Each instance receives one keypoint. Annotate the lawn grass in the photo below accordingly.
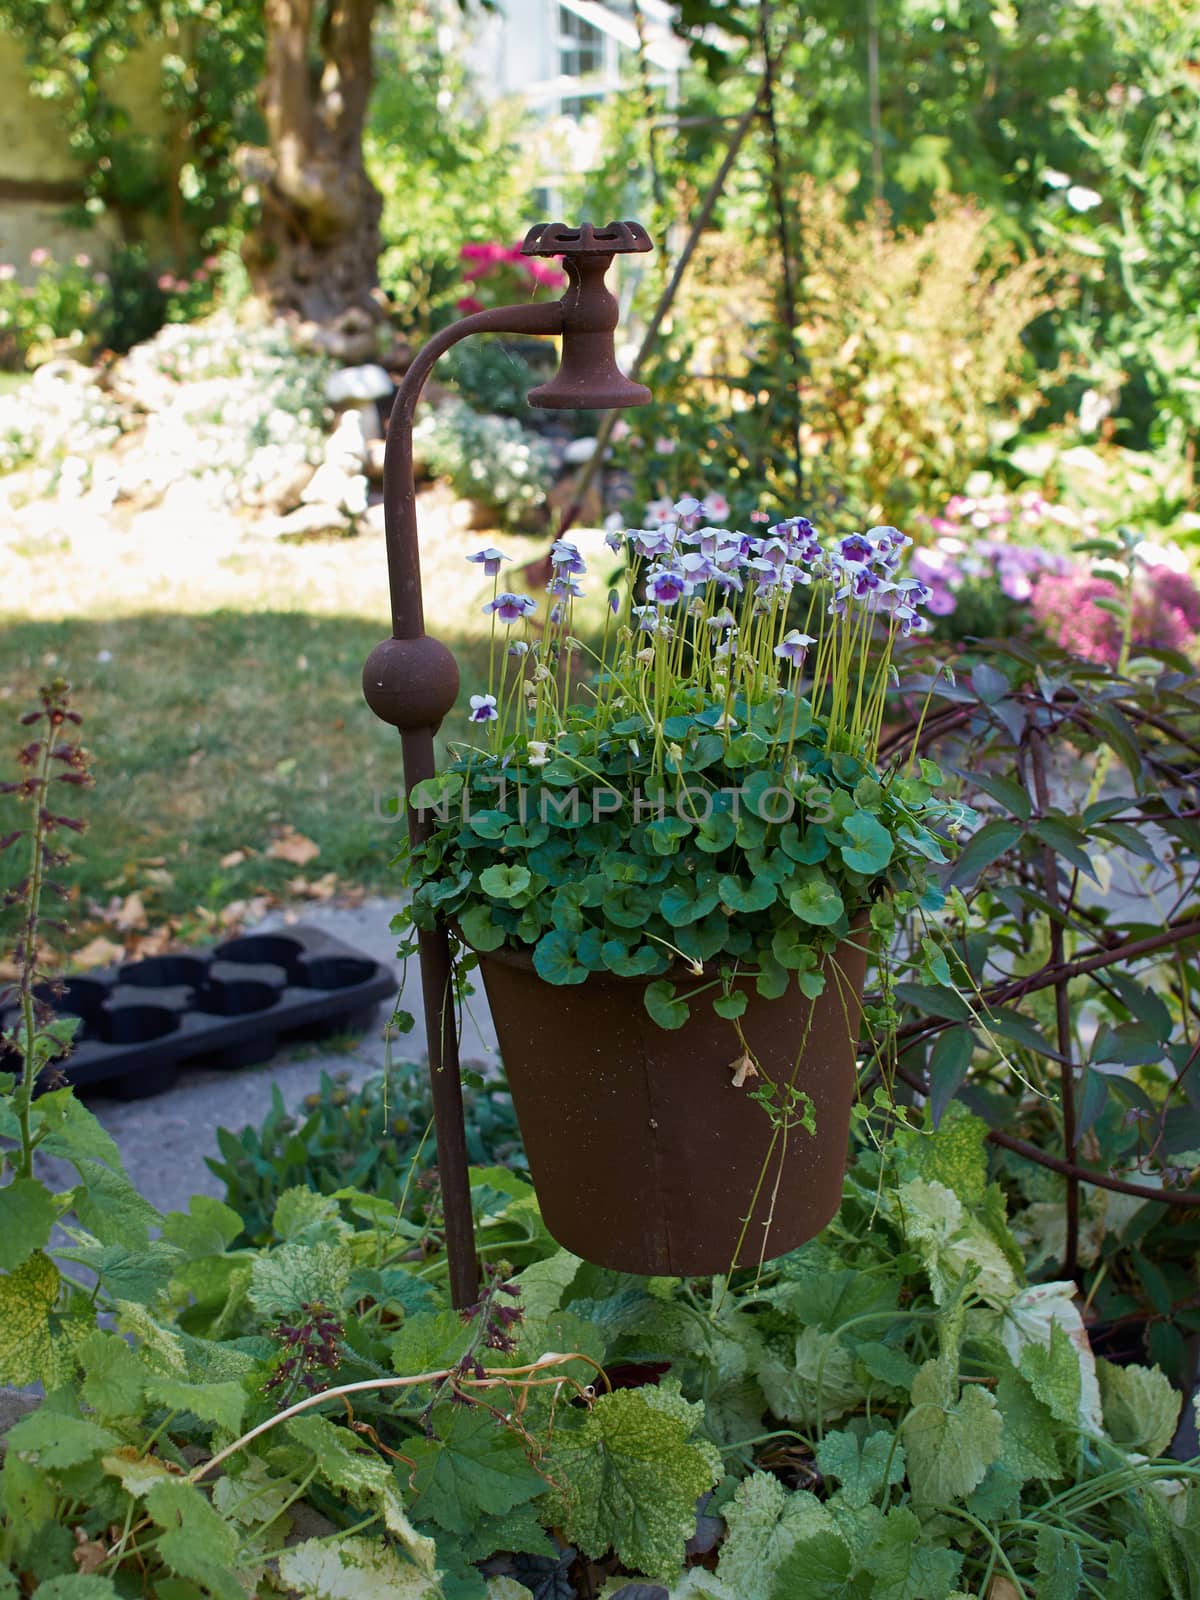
(219, 677)
(210, 736)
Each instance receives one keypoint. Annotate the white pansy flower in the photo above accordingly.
(1080, 198)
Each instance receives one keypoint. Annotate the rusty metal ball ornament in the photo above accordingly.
(410, 683)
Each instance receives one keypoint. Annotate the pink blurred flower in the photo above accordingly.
(468, 305)
(39, 257)
(82, 260)
(166, 282)
(545, 273)
(1175, 591)
(490, 253)
(1065, 609)
(7, 271)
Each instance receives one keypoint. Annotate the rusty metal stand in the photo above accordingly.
(411, 680)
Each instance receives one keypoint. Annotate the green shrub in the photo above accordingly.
(494, 376)
(913, 365)
(65, 308)
(448, 166)
(377, 1138)
(490, 459)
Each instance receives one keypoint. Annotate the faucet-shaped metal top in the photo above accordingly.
(588, 378)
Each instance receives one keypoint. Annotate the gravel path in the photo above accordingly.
(165, 1138)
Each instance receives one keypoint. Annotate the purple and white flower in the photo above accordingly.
(854, 548)
(483, 708)
(650, 542)
(696, 567)
(510, 608)
(793, 647)
(565, 557)
(490, 560)
(665, 586)
(564, 586)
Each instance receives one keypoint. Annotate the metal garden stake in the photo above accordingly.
(411, 679)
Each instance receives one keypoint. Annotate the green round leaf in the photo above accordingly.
(739, 895)
(555, 959)
(817, 901)
(870, 847)
(478, 929)
(504, 883)
(662, 1005)
(629, 962)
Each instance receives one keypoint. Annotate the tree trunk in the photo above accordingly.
(314, 251)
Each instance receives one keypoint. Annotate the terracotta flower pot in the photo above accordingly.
(644, 1154)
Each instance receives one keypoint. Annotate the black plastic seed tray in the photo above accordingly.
(228, 1007)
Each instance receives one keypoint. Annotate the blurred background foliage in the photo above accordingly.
(955, 230)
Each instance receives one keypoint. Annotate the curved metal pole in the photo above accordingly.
(411, 681)
(399, 488)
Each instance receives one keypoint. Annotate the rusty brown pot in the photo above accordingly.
(644, 1155)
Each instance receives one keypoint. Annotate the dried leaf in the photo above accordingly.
(155, 943)
(100, 952)
(132, 913)
(233, 859)
(294, 847)
(742, 1069)
(322, 888)
(88, 1554)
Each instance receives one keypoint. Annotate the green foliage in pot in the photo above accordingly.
(690, 806)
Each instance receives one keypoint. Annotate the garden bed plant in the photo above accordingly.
(1073, 926)
(891, 1411)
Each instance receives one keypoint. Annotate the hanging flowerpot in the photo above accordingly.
(670, 858)
(647, 1147)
